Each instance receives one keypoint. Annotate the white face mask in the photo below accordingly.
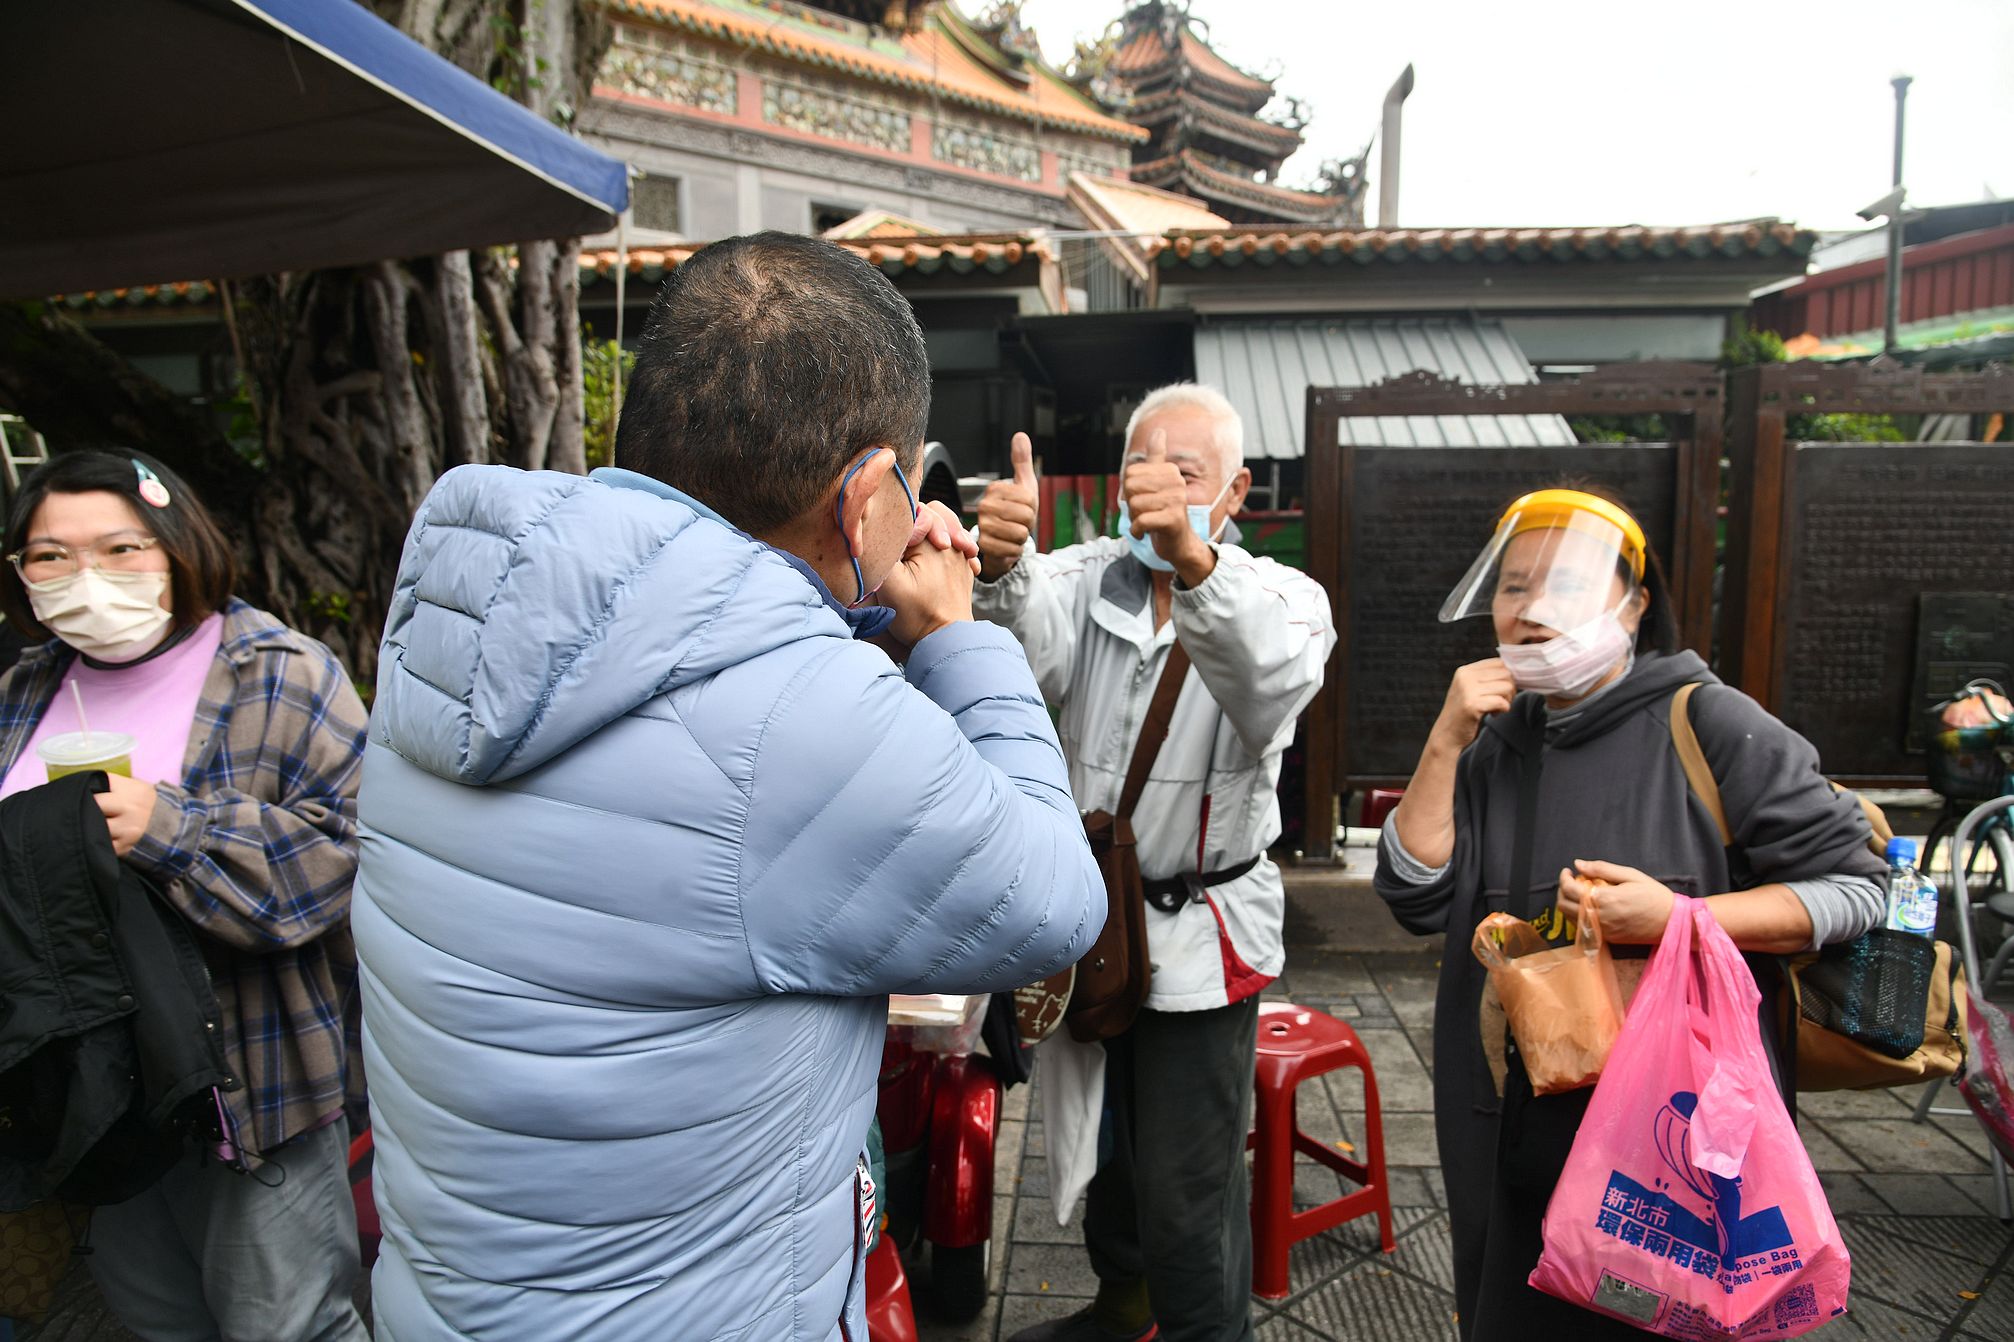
(1573, 663)
(113, 617)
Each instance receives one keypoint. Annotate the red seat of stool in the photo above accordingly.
(1380, 802)
(1289, 1031)
(1297, 1044)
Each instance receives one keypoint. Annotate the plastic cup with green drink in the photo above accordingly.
(81, 752)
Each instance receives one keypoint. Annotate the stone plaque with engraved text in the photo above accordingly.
(1418, 516)
(1874, 529)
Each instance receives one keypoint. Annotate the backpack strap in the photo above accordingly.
(1692, 759)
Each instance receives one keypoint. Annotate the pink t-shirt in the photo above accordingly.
(154, 702)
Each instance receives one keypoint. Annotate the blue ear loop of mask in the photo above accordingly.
(839, 516)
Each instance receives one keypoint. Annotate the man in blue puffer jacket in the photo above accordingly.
(650, 828)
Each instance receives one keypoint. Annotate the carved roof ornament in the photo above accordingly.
(1294, 116)
(1217, 132)
(1003, 25)
(1347, 179)
(903, 16)
(1090, 71)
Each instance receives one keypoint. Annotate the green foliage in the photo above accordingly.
(597, 375)
(1753, 346)
(1620, 428)
(518, 73)
(331, 606)
(241, 424)
(1843, 429)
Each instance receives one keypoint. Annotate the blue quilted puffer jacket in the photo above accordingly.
(648, 836)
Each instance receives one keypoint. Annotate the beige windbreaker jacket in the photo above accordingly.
(1258, 634)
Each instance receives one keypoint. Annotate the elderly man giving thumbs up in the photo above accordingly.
(1166, 1223)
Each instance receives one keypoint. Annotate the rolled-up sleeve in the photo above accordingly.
(1841, 906)
(1405, 867)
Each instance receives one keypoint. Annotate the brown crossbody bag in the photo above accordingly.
(1105, 990)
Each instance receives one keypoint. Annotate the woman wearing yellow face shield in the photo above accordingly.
(1549, 779)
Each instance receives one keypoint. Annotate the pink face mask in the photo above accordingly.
(1571, 664)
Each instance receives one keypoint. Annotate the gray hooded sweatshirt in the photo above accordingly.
(1611, 789)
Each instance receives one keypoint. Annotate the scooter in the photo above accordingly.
(940, 1112)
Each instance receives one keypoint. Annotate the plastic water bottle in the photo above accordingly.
(1912, 899)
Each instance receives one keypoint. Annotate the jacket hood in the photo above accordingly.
(534, 608)
(1655, 676)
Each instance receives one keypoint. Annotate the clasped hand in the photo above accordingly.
(931, 586)
(1631, 907)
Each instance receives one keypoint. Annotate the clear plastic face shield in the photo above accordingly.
(1559, 559)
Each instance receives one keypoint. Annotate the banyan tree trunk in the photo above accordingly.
(364, 384)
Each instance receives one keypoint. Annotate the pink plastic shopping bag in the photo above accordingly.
(1988, 1087)
(1688, 1206)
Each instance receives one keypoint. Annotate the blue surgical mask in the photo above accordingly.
(1199, 522)
(839, 516)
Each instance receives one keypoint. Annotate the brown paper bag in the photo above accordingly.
(1563, 1004)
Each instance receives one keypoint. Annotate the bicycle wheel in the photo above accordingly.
(1988, 867)
(1993, 891)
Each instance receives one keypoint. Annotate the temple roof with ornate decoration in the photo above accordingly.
(1208, 133)
(933, 49)
(921, 107)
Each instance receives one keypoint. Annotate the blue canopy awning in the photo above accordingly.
(159, 140)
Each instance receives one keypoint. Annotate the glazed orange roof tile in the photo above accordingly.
(1751, 237)
(927, 61)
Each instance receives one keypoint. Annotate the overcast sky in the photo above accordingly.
(1576, 112)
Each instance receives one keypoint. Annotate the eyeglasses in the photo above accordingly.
(46, 561)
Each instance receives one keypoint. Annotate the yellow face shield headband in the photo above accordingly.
(1559, 575)
(1572, 510)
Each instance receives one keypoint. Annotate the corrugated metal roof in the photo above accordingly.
(1266, 368)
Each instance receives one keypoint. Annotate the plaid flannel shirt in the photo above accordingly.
(256, 846)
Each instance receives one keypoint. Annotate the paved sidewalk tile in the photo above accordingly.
(1914, 1201)
(1374, 1302)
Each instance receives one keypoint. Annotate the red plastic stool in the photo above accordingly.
(1296, 1044)
(1380, 802)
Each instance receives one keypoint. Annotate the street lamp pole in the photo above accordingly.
(1894, 315)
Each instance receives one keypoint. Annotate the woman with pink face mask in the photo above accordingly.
(240, 810)
(1551, 780)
